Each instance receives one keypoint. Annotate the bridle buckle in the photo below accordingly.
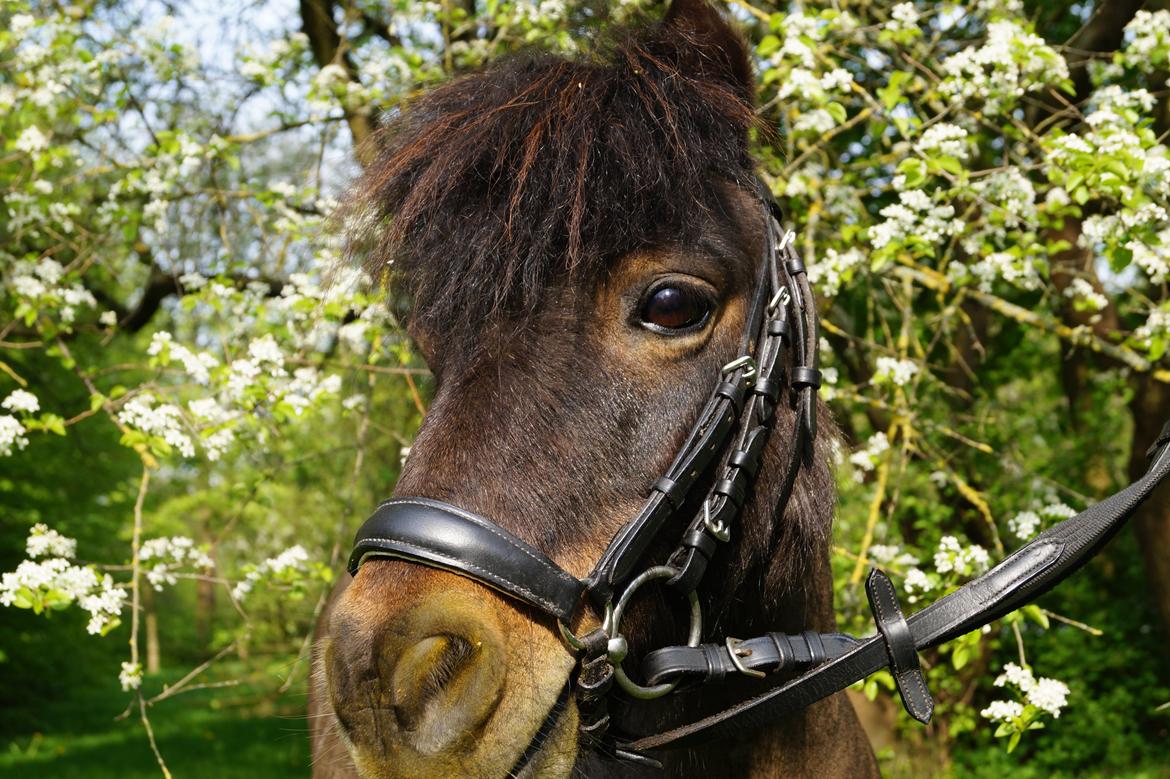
(746, 361)
(737, 654)
(782, 297)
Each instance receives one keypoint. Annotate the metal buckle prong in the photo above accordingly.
(782, 296)
(717, 527)
(746, 361)
(733, 649)
(789, 236)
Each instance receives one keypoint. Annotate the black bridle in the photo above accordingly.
(730, 435)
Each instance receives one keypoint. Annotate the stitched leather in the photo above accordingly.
(903, 656)
(441, 535)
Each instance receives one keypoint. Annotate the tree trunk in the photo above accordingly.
(150, 623)
(1151, 408)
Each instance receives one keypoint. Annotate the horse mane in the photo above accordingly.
(541, 169)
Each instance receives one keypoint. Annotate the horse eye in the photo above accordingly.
(671, 308)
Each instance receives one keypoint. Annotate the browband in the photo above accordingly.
(443, 536)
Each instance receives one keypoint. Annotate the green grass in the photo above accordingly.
(223, 734)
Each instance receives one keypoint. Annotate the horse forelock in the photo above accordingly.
(542, 170)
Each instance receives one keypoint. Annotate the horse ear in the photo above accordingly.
(719, 43)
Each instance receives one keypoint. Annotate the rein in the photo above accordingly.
(730, 436)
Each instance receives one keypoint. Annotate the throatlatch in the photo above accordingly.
(777, 363)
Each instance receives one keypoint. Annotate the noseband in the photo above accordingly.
(730, 437)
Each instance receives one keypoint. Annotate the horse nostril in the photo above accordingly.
(443, 687)
(424, 671)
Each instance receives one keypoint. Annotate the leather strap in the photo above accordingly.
(1023, 576)
(768, 654)
(443, 536)
(900, 649)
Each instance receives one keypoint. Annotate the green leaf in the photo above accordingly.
(1014, 741)
(837, 111)
(914, 171)
(960, 656)
(768, 44)
(950, 165)
(891, 94)
(1036, 614)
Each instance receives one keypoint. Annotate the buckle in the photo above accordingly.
(733, 649)
(782, 296)
(715, 526)
(746, 361)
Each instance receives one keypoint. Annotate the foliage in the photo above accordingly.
(194, 393)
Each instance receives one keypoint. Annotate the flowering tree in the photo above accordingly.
(981, 189)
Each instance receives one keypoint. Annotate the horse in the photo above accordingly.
(578, 239)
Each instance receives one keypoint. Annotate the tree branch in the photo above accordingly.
(319, 25)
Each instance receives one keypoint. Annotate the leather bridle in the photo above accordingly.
(777, 363)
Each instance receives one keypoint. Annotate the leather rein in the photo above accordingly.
(729, 439)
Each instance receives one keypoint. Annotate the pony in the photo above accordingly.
(577, 239)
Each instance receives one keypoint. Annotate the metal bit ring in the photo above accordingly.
(628, 685)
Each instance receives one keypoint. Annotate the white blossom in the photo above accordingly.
(266, 350)
(19, 24)
(11, 435)
(816, 121)
(903, 16)
(32, 140)
(895, 371)
(1024, 524)
(291, 559)
(1057, 510)
(837, 79)
(1017, 676)
(130, 677)
(1050, 695)
(916, 579)
(952, 556)
(915, 215)
(1005, 266)
(1010, 63)
(46, 542)
(161, 557)
(943, 138)
(1157, 325)
(1085, 295)
(21, 401)
(104, 604)
(866, 458)
(1002, 711)
(164, 421)
(832, 268)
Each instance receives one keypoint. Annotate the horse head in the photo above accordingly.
(579, 240)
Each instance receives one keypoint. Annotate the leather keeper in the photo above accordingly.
(780, 327)
(900, 648)
(733, 489)
(769, 388)
(803, 376)
(732, 391)
(795, 265)
(699, 540)
(745, 462)
(674, 492)
(816, 647)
